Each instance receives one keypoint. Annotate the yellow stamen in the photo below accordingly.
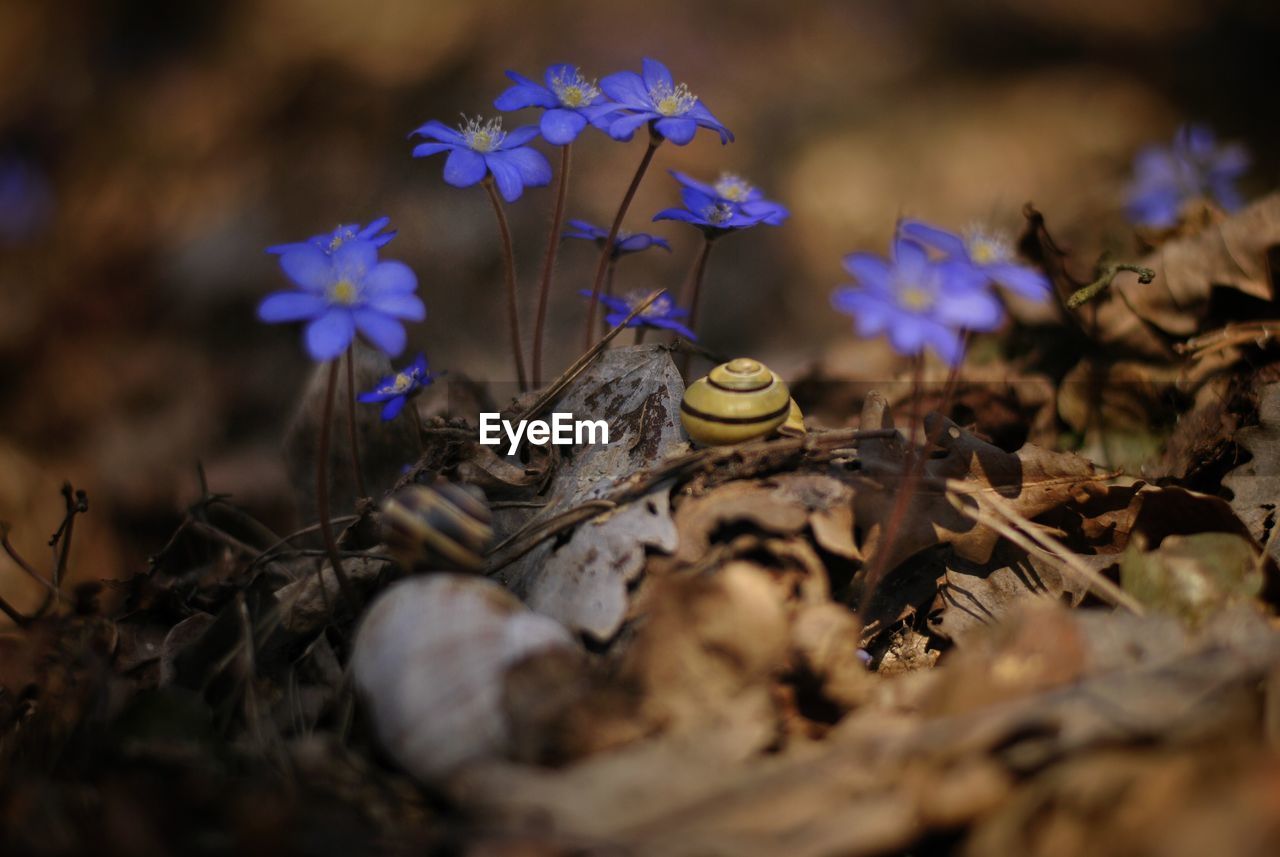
(733, 187)
(344, 292)
(915, 298)
(672, 102)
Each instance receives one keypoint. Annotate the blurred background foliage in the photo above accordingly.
(160, 146)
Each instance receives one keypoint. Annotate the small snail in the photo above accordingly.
(739, 400)
(439, 527)
(431, 660)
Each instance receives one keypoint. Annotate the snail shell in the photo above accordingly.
(739, 400)
(430, 659)
(794, 424)
(442, 526)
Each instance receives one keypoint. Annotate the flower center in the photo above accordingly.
(672, 102)
(340, 237)
(660, 308)
(986, 248)
(717, 214)
(344, 292)
(914, 298)
(576, 91)
(482, 136)
(733, 187)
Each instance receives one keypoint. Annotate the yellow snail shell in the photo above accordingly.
(440, 527)
(739, 400)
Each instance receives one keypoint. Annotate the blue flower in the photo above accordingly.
(26, 199)
(987, 252)
(330, 241)
(477, 149)
(737, 190)
(569, 99)
(399, 388)
(917, 301)
(661, 314)
(711, 213)
(654, 97)
(1195, 166)
(624, 243)
(344, 292)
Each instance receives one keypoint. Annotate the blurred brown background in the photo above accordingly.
(174, 141)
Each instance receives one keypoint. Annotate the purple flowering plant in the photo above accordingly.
(344, 292)
(917, 301)
(662, 314)
(654, 98)
(569, 102)
(625, 244)
(331, 241)
(394, 391)
(1194, 166)
(987, 252)
(479, 148)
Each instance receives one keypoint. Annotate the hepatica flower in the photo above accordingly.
(989, 253)
(917, 301)
(662, 314)
(477, 149)
(1195, 166)
(344, 292)
(626, 242)
(713, 214)
(733, 188)
(26, 199)
(331, 241)
(569, 100)
(654, 97)
(396, 390)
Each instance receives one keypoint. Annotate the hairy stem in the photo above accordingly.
(607, 250)
(356, 469)
(1105, 277)
(689, 294)
(549, 262)
(322, 492)
(509, 256)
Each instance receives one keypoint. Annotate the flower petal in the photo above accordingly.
(945, 342)
(677, 129)
(464, 168)
(628, 89)
(974, 309)
(681, 214)
(309, 267)
(506, 174)
(517, 137)
(535, 170)
(426, 150)
(354, 260)
(390, 278)
(1021, 279)
(330, 334)
(625, 127)
(655, 74)
(291, 306)
(386, 333)
(911, 259)
(561, 127)
(931, 236)
(871, 270)
(393, 408)
(524, 94)
(437, 130)
(406, 307)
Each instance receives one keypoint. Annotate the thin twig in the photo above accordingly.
(578, 366)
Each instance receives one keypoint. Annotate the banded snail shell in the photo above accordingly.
(737, 401)
(440, 527)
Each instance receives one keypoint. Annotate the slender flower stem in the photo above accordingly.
(914, 461)
(608, 274)
(606, 251)
(640, 332)
(549, 262)
(689, 293)
(356, 469)
(953, 381)
(322, 493)
(692, 287)
(513, 313)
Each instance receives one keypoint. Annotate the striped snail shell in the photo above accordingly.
(739, 400)
(440, 527)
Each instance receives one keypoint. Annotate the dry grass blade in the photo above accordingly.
(1026, 535)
